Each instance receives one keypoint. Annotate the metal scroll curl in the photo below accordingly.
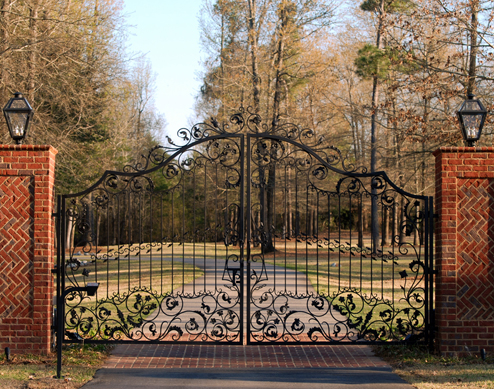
(376, 185)
(245, 120)
(143, 314)
(371, 318)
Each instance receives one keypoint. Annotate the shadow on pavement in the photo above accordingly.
(362, 378)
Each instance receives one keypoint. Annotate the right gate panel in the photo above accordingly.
(334, 255)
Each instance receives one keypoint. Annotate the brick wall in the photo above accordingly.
(26, 247)
(465, 249)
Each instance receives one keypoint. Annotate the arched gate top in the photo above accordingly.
(245, 122)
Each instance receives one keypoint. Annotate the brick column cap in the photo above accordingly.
(29, 148)
(462, 150)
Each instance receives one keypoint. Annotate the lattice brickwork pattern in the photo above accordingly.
(16, 246)
(475, 249)
(26, 247)
(465, 249)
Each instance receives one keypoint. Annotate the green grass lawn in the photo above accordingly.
(428, 371)
(130, 291)
(372, 291)
(80, 362)
(366, 288)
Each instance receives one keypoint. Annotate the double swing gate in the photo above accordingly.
(244, 233)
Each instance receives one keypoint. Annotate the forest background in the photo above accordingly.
(380, 79)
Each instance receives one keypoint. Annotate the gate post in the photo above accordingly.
(27, 175)
(465, 250)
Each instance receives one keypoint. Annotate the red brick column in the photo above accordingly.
(27, 175)
(465, 249)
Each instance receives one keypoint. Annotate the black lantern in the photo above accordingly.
(472, 116)
(18, 114)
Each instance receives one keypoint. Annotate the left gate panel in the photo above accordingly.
(163, 245)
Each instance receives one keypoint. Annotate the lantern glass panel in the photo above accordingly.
(19, 104)
(18, 121)
(472, 125)
(472, 105)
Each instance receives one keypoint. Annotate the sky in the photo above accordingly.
(167, 31)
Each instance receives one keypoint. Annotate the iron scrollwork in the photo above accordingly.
(346, 311)
(305, 196)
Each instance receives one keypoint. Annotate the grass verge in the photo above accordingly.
(37, 372)
(426, 371)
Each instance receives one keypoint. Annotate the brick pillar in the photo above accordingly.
(27, 175)
(465, 249)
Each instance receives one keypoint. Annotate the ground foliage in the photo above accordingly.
(38, 372)
(425, 370)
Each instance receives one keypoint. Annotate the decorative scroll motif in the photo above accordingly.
(120, 227)
(141, 314)
(167, 241)
(348, 315)
(247, 122)
(345, 311)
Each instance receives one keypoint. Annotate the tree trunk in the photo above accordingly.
(33, 57)
(472, 66)
(5, 16)
(253, 39)
(270, 191)
(375, 103)
(385, 227)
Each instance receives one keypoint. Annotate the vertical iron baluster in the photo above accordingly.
(350, 197)
(361, 236)
(129, 238)
(316, 239)
(226, 216)
(297, 229)
(118, 241)
(307, 234)
(161, 243)
(287, 222)
(272, 232)
(140, 240)
(183, 232)
(242, 239)
(427, 265)
(216, 224)
(329, 243)
(172, 237)
(194, 194)
(383, 230)
(430, 323)
(107, 251)
(338, 245)
(61, 283)
(96, 274)
(372, 254)
(393, 237)
(150, 241)
(248, 298)
(205, 222)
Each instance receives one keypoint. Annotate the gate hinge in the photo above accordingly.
(436, 215)
(433, 271)
(54, 270)
(54, 214)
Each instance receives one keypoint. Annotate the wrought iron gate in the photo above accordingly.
(245, 233)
